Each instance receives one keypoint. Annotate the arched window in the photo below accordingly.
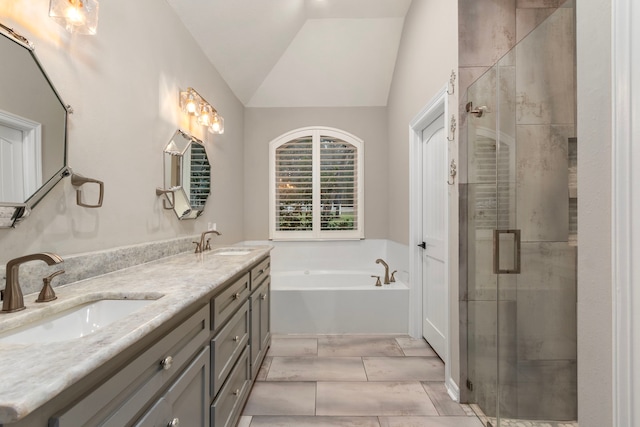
(316, 178)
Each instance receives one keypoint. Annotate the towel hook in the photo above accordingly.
(452, 83)
(453, 171)
(452, 128)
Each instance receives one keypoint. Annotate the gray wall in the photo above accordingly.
(265, 124)
(427, 55)
(595, 374)
(123, 84)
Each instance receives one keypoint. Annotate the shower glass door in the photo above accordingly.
(521, 231)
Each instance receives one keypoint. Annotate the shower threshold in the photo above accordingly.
(508, 422)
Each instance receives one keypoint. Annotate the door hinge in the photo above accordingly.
(469, 385)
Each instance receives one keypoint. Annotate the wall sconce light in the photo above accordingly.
(76, 16)
(193, 104)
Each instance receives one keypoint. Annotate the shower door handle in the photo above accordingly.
(496, 252)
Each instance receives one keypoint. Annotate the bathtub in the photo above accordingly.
(336, 302)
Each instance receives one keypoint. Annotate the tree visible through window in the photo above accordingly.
(316, 179)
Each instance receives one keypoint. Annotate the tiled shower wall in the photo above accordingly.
(535, 99)
(491, 28)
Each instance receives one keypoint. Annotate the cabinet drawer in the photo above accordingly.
(260, 272)
(186, 402)
(227, 406)
(227, 302)
(119, 400)
(227, 345)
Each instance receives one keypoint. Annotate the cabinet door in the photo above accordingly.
(265, 315)
(260, 324)
(186, 402)
(255, 332)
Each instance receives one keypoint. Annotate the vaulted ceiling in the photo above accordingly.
(300, 53)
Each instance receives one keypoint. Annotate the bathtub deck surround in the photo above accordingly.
(327, 288)
(355, 381)
(342, 302)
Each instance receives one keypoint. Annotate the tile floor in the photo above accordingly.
(352, 381)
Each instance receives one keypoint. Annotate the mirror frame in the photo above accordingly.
(22, 210)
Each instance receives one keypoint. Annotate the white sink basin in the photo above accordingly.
(231, 251)
(75, 322)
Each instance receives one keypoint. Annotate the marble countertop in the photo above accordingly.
(32, 374)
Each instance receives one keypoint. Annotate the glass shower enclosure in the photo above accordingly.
(521, 231)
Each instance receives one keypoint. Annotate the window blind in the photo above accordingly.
(294, 185)
(338, 185)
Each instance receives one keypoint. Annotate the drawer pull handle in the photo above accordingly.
(166, 364)
(237, 392)
(236, 338)
(174, 423)
(236, 296)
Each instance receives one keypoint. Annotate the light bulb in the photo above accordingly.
(74, 14)
(191, 106)
(217, 124)
(189, 102)
(205, 114)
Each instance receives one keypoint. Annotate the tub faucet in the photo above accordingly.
(386, 270)
(204, 245)
(13, 299)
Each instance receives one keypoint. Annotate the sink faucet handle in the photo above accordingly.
(377, 280)
(393, 276)
(207, 247)
(198, 248)
(47, 294)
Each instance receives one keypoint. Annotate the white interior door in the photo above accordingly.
(434, 232)
(11, 165)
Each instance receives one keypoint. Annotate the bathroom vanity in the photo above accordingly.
(188, 358)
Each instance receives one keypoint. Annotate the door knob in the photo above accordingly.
(423, 245)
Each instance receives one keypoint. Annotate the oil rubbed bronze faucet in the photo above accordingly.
(386, 270)
(13, 299)
(202, 246)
